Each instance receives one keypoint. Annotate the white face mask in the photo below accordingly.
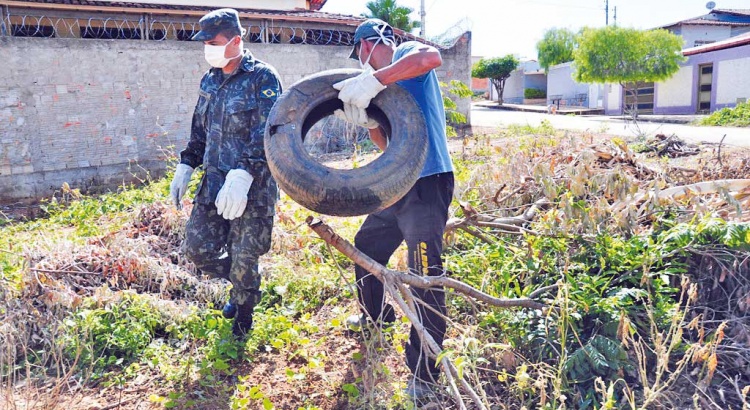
(366, 65)
(381, 37)
(215, 55)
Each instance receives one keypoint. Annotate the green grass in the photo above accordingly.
(607, 276)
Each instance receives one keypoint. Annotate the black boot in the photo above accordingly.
(242, 327)
(243, 320)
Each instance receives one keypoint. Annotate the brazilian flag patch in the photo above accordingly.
(268, 93)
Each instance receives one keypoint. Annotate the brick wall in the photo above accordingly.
(97, 113)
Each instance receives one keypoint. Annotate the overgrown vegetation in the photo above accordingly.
(738, 116)
(650, 309)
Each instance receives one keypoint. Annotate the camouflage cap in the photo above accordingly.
(371, 29)
(217, 21)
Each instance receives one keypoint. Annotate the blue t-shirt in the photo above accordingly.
(426, 90)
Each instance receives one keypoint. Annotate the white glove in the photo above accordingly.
(177, 189)
(356, 93)
(368, 122)
(232, 198)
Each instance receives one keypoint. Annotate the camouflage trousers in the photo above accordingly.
(229, 249)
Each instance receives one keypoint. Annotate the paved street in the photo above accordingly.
(487, 117)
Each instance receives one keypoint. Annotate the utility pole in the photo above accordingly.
(606, 12)
(422, 14)
(615, 16)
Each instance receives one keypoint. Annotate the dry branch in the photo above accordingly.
(394, 282)
(738, 188)
(509, 225)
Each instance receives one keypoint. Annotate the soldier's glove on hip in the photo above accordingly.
(356, 93)
(179, 184)
(368, 122)
(232, 198)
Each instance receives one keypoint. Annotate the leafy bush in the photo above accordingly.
(532, 93)
(113, 334)
(452, 116)
(738, 116)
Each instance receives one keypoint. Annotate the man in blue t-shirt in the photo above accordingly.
(420, 216)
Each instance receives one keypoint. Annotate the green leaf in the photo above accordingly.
(220, 365)
(255, 393)
(351, 390)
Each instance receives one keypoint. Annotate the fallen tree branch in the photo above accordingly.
(422, 282)
(394, 281)
(739, 186)
(508, 225)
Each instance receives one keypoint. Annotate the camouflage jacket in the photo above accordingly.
(227, 130)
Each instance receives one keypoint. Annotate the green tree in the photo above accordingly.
(556, 47)
(626, 56)
(393, 14)
(497, 69)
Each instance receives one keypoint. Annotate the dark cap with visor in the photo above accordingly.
(216, 22)
(371, 29)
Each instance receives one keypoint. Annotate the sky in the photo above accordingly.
(501, 27)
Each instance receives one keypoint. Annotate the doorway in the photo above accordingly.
(705, 81)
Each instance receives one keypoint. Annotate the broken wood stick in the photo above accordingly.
(423, 282)
(394, 284)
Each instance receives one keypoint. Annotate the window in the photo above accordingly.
(702, 42)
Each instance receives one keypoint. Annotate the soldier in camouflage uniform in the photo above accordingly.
(232, 218)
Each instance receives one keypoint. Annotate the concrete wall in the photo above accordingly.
(538, 81)
(675, 92)
(94, 113)
(513, 91)
(560, 82)
(518, 81)
(691, 34)
(736, 31)
(612, 99)
(457, 66)
(734, 81)
(678, 95)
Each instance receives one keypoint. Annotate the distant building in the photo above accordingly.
(528, 75)
(479, 85)
(714, 76)
(719, 24)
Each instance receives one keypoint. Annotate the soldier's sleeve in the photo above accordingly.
(193, 154)
(267, 89)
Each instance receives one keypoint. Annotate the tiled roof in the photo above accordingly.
(739, 12)
(313, 14)
(703, 22)
(742, 17)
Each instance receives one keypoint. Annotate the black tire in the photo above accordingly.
(338, 192)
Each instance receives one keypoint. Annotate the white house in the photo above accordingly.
(528, 75)
(719, 24)
(714, 76)
(562, 89)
